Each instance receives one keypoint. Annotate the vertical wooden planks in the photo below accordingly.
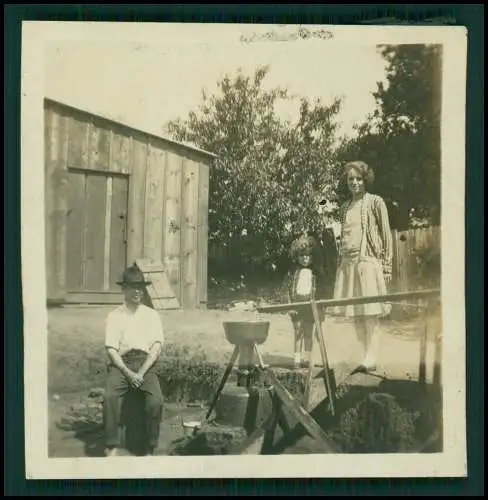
(99, 146)
(202, 235)
(164, 219)
(96, 192)
(107, 234)
(111, 199)
(154, 210)
(394, 251)
(75, 224)
(56, 208)
(189, 221)
(400, 252)
(49, 195)
(118, 230)
(78, 141)
(137, 196)
(406, 244)
(437, 242)
(172, 227)
(159, 290)
(61, 186)
(120, 152)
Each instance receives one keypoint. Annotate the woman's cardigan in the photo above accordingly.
(376, 239)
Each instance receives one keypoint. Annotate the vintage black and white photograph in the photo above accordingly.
(249, 241)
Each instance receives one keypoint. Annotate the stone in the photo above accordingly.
(96, 392)
(78, 407)
(96, 400)
(68, 420)
(212, 440)
(223, 436)
(83, 421)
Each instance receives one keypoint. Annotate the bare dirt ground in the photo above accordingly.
(79, 332)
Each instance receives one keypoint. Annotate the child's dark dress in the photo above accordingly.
(301, 286)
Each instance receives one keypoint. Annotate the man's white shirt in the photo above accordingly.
(126, 330)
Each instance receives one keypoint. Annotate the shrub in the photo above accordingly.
(377, 424)
(189, 378)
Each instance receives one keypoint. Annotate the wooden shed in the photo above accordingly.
(114, 194)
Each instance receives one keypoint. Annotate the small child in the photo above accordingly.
(301, 286)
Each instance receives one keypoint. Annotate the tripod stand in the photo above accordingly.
(247, 351)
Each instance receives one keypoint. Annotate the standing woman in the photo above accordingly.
(365, 258)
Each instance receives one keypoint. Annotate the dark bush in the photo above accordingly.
(377, 424)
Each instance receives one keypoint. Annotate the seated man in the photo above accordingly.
(133, 339)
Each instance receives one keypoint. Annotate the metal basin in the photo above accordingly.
(246, 332)
(191, 427)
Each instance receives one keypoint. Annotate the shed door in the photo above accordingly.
(97, 229)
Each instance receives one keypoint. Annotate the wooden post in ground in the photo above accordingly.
(308, 381)
(329, 387)
(423, 349)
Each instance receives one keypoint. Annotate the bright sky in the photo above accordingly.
(146, 82)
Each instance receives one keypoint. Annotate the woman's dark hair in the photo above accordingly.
(366, 172)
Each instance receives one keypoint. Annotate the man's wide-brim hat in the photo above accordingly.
(133, 276)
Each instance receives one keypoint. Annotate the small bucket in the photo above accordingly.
(191, 427)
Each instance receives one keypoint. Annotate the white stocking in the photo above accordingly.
(361, 332)
(373, 335)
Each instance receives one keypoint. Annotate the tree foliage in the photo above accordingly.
(401, 138)
(270, 173)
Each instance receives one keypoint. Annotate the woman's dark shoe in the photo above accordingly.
(359, 369)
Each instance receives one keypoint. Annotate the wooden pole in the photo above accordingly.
(269, 434)
(323, 352)
(223, 381)
(308, 382)
(423, 351)
(257, 434)
(312, 427)
(303, 306)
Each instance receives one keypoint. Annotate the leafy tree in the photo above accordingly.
(401, 138)
(270, 174)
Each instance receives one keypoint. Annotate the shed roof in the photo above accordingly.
(130, 127)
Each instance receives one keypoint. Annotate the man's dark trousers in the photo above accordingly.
(117, 386)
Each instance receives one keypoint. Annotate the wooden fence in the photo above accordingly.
(416, 259)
